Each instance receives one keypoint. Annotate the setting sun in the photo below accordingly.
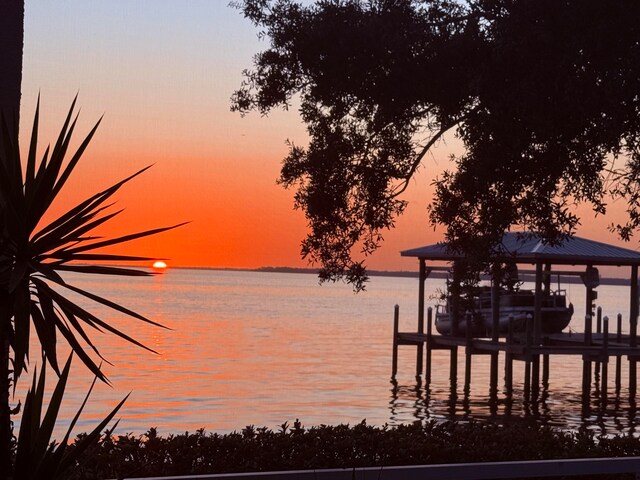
(159, 264)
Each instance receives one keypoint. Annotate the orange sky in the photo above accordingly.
(162, 72)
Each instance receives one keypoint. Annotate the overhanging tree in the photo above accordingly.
(543, 94)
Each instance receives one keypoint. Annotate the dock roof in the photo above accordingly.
(527, 247)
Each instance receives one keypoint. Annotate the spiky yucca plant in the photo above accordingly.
(32, 290)
(38, 455)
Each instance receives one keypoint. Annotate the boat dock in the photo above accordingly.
(602, 345)
(596, 349)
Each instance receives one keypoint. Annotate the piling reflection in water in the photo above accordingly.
(445, 399)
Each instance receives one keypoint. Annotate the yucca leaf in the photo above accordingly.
(22, 314)
(18, 274)
(74, 160)
(68, 308)
(97, 323)
(86, 205)
(89, 439)
(56, 159)
(112, 305)
(41, 199)
(73, 321)
(123, 239)
(37, 181)
(78, 350)
(77, 311)
(29, 425)
(33, 147)
(100, 257)
(50, 315)
(49, 187)
(100, 270)
(79, 412)
(49, 421)
(47, 271)
(73, 231)
(74, 218)
(46, 332)
(63, 136)
(37, 457)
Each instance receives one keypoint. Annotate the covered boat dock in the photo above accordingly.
(600, 339)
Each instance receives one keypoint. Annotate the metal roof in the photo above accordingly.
(531, 248)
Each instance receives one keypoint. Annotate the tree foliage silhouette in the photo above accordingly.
(545, 96)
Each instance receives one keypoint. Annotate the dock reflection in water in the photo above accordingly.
(555, 405)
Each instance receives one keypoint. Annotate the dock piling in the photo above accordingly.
(394, 358)
(604, 360)
(428, 346)
(508, 359)
(586, 360)
(420, 347)
(618, 357)
(468, 352)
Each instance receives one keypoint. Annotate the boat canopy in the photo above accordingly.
(526, 247)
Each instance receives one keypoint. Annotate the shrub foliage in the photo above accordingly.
(298, 448)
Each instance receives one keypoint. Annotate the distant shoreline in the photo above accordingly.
(398, 273)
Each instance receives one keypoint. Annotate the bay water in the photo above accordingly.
(264, 348)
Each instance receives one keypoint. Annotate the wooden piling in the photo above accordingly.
(596, 362)
(586, 360)
(453, 366)
(619, 357)
(508, 359)
(428, 346)
(421, 304)
(468, 352)
(545, 371)
(527, 359)
(586, 376)
(394, 358)
(604, 360)
(495, 328)
(633, 331)
(420, 347)
(633, 316)
(535, 377)
(493, 377)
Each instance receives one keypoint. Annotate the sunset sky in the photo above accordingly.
(162, 73)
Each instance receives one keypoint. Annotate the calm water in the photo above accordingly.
(259, 349)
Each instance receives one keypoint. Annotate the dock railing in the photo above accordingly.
(460, 471)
